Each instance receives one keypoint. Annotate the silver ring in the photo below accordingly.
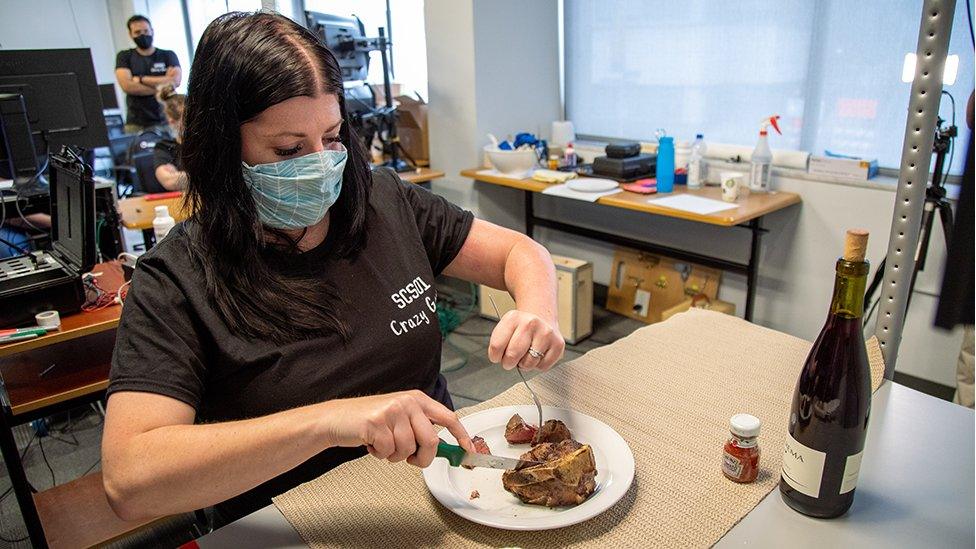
(536, 354)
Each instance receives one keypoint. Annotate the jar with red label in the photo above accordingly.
(740, 461)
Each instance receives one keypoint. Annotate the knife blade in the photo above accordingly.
(458, 456)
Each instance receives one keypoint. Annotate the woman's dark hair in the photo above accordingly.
(244, 64)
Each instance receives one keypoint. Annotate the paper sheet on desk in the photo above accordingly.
(693, 204)
(517, 175)
(565, 192)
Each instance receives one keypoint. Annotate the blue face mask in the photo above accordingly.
(296, 193)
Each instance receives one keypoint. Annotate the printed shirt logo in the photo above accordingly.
(418, 303)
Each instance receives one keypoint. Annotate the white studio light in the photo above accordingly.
(951, 70)
(948, 74)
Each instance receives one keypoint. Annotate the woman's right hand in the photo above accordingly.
(396, 426)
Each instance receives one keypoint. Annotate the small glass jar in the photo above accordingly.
(740, 461)
(553, 162)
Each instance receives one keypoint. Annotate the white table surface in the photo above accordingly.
(916, 489)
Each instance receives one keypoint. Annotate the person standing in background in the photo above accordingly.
(166, 154)
(140, 71)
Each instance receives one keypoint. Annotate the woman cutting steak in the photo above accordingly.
(290, 324)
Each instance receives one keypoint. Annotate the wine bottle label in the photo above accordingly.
(732, 466)
(803, 467)
(851, 470)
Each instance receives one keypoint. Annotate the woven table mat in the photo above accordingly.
(669, 389)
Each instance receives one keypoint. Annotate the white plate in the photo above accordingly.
(591, 185)
(497, 507)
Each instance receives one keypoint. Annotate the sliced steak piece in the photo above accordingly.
(553, 431)
(518, 431)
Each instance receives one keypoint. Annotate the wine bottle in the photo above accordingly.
(832, 400)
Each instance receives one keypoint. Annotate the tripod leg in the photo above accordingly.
(875, 282)
(945, 213)
(928, 218)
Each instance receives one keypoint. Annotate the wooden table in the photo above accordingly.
(138, 213)
(55, 372)
(749, 214)
(421, 175)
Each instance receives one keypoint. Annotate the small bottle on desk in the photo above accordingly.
(162, 223)
(740, 460)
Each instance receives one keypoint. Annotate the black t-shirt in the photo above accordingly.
(167, 151)
(172, 342)
(145, 110)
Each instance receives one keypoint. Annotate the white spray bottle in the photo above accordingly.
(762, 158)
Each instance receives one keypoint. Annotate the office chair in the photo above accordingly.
(136, 174)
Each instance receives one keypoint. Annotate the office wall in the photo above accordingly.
(46, 24)
(493, 66)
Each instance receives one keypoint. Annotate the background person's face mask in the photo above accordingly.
(297, 192)
(144, 41)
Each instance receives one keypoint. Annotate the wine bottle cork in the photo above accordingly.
(855, 245)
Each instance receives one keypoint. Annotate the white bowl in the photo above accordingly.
(511, 162)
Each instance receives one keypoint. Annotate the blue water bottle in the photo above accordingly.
(665, 164)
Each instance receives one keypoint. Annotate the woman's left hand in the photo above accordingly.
(525, 340)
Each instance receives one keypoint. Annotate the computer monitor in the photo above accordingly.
(340, 35)
(18, 159)
(109, 99)
(64, 106)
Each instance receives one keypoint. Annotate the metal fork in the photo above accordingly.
(535, 398)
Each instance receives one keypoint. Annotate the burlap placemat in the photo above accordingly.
(669, 389)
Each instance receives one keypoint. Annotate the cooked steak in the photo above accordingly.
(553, 431)
(518, 431)
(480, 445)
(566, 476)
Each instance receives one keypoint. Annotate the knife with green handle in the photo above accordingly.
(458, 457)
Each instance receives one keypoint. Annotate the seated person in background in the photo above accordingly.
(15, 233)
(140, 71)
(166, 156)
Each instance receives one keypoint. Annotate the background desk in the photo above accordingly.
(902, 499)
(48, 374)
(749, 213)
(138, 213)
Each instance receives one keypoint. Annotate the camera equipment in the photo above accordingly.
(345, 36)
(935, 201)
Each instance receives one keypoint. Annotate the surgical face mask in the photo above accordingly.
(297, 192)
(144, 41)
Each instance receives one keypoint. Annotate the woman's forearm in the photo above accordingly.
(154, 474)
(531, 279)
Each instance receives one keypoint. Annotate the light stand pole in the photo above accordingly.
(934, 30)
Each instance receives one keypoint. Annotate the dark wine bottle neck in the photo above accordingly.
(848, 301)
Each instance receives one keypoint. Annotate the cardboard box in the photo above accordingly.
(574, 284)
(643, 286)
(711, 305)
(855, 169)
(412, 129)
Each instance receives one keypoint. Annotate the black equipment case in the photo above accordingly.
(52, 280)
